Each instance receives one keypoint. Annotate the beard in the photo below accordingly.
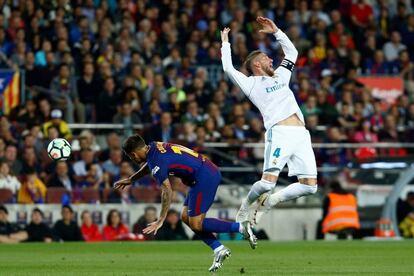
(269, 71)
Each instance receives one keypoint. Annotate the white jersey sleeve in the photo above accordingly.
(287, 65)
(245, 83)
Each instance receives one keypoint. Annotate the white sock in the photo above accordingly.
(258, 188)
(241, 228)
(292, 191)
(218, 248)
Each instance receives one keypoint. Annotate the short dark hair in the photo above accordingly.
(150, 208)
(37, 210)
(249, 61)
(68, 207)
(132, 143)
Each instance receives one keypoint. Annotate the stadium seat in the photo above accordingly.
(54, 195)
(6, 196)
(90, 195)
(145, 194)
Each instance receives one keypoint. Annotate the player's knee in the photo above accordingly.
(196, 225)
(310, 184)
(270, 176)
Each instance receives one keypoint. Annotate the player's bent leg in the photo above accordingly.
(305, 186)
(265, 185)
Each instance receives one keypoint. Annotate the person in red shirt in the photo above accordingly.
(361, 14)
(114, 228)
(90, 231)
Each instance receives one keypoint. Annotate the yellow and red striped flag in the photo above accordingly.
(9, 90)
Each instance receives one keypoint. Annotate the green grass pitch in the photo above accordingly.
(194, 258)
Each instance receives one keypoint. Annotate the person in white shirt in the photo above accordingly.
(393, 47)
(8, 181)
(287, 140)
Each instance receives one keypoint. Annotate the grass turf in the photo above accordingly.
(194, 258)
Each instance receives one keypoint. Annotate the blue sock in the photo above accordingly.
(209, 239)
(220, 226)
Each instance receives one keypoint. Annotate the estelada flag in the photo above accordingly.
(9, 91)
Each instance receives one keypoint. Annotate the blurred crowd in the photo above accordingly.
(157, 64)
(39, 229)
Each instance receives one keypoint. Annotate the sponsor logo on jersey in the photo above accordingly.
(276, 87)
(155, 170)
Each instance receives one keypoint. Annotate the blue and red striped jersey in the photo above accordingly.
(165, 159)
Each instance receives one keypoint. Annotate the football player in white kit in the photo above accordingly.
(287, 139)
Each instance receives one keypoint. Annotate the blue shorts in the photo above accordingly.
(201, 196)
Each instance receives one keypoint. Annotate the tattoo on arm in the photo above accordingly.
(166, 195)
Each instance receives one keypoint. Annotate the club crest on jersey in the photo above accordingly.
(155, 170)
(274, 163)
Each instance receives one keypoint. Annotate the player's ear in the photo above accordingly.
(256, 64)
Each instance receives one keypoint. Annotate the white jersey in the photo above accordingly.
(271, 95)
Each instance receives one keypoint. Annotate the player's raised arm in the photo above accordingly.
(166, 196)
(290, 51)
(241, 80)
(143, 171)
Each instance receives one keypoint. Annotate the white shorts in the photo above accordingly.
(289, 145)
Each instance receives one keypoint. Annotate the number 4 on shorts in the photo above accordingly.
(276, 153)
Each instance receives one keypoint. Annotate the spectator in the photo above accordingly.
(153, 115)
(66, 87)
(112, 164)
(107, 102)
(80, 167)
(90, 230)
(9, 232)
(164, 131)
(127, 118)
(67, 229)
(365, 134)
(29, 115)
(61, 177)
(8, 181)
(172, 228)
(114, 228)
(37, 230)
(113, 142)
(393, 47)
(33, 190)
(89, 89)
(15, 164)
(30, 161)
(310, 107)
(92, 179)
(389, 133)
(149, 216)
(61, 125)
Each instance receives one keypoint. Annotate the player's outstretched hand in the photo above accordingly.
(121, 184)
(153, 227)
(268, 26)
(225, 35)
